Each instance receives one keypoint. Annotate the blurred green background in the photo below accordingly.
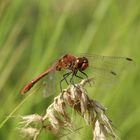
(34, 33)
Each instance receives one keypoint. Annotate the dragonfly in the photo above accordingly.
(75, 64)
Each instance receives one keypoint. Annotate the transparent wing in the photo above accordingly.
(47, 85)
(102, 77)
(111, 63)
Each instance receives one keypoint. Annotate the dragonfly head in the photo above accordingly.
(82, 63)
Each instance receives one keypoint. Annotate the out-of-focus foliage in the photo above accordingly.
(34, 33)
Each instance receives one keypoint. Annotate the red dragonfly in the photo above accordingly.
(80, 64)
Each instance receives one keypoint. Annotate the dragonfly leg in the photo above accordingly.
(71, 79)
(75, 74)
(84, 74)
(79, 76)
(64, 78)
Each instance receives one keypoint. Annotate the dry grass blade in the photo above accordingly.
(57, 118)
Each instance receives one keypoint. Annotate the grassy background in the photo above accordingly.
(34, 33)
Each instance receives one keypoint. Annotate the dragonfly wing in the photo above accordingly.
(46, 85)
(111, 63)
(49, 85)
(102, 77)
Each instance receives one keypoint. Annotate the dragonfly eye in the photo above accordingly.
(84, 64)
